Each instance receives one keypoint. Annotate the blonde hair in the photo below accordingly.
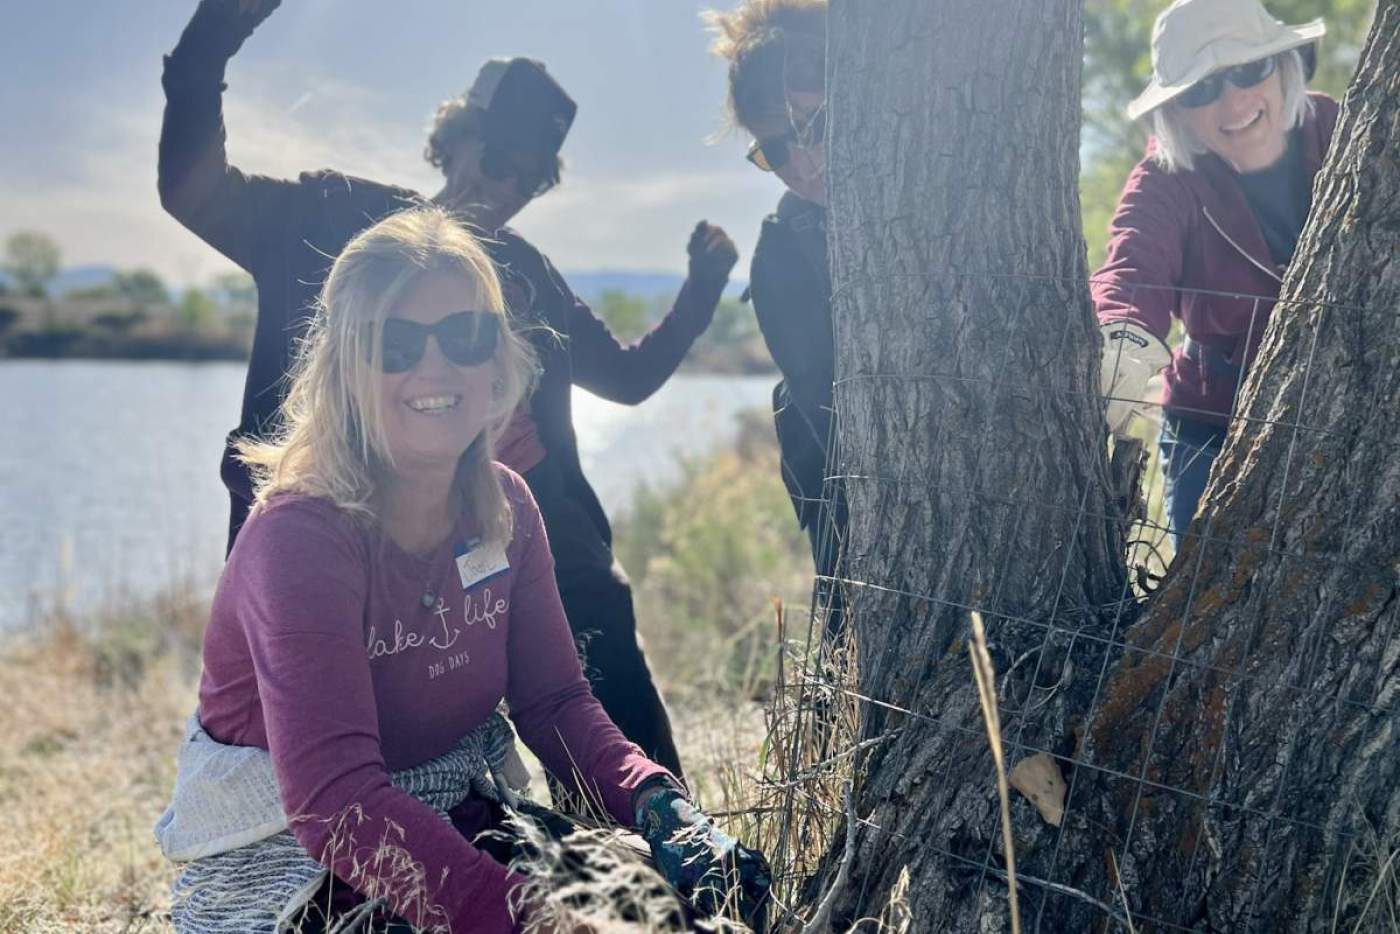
(332, 442)
(1177, 146)
(763, 40)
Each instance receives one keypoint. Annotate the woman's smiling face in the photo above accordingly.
(433, 411)
(1244, 126)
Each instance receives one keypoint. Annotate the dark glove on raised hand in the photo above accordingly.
(225, 24)
(712, 253)
(707, 867)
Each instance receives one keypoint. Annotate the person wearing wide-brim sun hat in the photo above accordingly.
(1215, 206)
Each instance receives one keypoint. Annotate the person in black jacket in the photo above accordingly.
(498, 148)
(776, 51)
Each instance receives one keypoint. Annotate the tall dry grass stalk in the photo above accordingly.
(985, 676)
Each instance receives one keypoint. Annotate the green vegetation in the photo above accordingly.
(92, 718)
(31, 260)
(131, 317)
(708, 556)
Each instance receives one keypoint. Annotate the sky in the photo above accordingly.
(352, 85)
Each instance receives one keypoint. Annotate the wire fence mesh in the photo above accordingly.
(820, 732)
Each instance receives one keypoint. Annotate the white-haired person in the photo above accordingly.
(391, 587)
(1207, 223)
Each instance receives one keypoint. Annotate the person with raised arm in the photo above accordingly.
(498, 148)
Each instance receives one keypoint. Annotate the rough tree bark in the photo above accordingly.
(1281, 710)
(974, 443)
(974, 447)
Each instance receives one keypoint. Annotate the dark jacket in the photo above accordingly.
(790, 283)
(286, 233)
(577, 349)
(1175, 232)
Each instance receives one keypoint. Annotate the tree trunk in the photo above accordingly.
(1277, 721)
(1225, 774)
(972, 438)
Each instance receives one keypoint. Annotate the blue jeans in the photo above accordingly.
(1187, 448)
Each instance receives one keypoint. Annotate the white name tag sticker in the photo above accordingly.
(478, 563)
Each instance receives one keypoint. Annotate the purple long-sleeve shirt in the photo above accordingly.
(320, 649)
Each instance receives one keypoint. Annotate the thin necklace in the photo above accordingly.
(429, 597)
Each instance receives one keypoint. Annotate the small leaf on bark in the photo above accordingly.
(1038, 778)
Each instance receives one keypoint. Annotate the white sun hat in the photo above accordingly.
(1193, 38)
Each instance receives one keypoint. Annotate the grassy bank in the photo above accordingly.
(95, 706)
(708, 556)
(105, 326)
(92, 716)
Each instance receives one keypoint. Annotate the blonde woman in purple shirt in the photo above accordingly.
(391, 587)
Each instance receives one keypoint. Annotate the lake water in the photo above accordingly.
(109, 470)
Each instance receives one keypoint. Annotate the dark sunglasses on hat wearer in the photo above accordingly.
(466, 338)
(1198, 45)
(1208, 90)
(525, 117)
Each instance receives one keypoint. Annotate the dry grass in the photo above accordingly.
(87, 741)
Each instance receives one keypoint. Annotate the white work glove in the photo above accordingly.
(1132, 355)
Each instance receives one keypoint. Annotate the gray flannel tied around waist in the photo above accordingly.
(244, 871)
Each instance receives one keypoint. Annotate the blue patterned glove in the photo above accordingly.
(706, 866)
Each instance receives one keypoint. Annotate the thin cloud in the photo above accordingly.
(98, 197)
(601, 222)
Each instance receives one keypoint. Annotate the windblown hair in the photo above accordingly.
(456, 123)
(1177, 145)
(332, 443)
(453, 124)
(773, 47)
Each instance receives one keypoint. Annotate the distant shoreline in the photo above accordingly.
(214, 353)
(106, 327)
(194, 351)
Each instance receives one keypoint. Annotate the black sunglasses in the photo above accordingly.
(1208, 90)
(771, 155)
(467, 338)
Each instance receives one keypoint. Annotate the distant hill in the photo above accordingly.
(589, 285)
